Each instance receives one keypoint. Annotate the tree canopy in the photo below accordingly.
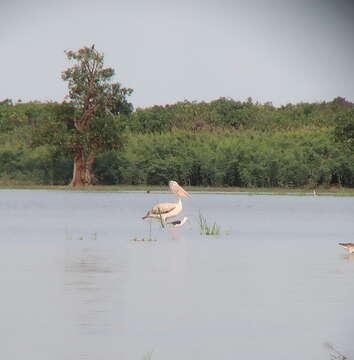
(88, 122)
(344, 130)
(224, 142)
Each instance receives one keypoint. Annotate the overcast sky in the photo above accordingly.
(168, 51)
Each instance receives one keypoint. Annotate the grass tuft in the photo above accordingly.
(135, 238)
(69, 236)
(206, 229)
(148, 355)
(148, 238)
(161, 219)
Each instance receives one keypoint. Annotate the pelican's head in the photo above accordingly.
(177, 189)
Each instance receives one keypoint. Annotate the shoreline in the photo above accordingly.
(333, 191)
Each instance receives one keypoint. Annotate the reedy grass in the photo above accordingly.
(148, 355)
(148, 238)
(206, 229)
(161, 220)
(135, 238)
(69, 236)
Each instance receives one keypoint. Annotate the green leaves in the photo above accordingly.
(225, 113)
(95, 101)
(344, 130)
(245, 159)
(90, 88)
(220, 143)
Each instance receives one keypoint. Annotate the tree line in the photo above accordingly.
(96, 136)
(285, 154)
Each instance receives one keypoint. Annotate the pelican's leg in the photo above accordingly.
(163, 221)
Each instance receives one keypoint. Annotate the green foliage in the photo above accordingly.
(230, 114)
(90, 88)
(39, 166)
(109, 166)
(246, 159)
(92, 122)
(94, 99)
(206, 229)
(344, 130)
(221, 143)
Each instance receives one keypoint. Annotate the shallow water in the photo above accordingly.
(273, 285)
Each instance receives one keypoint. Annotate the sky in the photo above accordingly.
(277, 51)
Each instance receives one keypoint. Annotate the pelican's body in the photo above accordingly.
(164, 211)
(348, 246)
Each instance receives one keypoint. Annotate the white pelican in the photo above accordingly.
(164, 211)
(348, 246)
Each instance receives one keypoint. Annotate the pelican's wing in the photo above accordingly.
(163, 208)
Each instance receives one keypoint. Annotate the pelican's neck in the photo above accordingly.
(179, 200)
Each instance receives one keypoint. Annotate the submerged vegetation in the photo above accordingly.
(70, 236)
(136, 238)
(223, 143)
(148, 355)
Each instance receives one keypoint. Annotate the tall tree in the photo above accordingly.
(95, 100)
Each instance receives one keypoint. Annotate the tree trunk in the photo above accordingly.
(78, 177)
(82, 173)
(89, 177)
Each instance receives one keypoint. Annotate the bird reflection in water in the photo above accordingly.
(90, 286)
(349, 257)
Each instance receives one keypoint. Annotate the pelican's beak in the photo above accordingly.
(178, 190)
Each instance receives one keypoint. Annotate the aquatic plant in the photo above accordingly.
(160, 219)
(206, 229)
(148, 238)
(148, 355)
(69, 236)
(228, 232)
(136, 238)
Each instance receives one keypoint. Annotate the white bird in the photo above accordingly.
(348, 246)
(163, 211)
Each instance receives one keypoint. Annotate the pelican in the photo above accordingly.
(348, 246)
(163, 211)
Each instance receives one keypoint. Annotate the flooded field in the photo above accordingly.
(77, 282)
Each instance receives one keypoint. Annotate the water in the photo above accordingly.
(75, 285)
